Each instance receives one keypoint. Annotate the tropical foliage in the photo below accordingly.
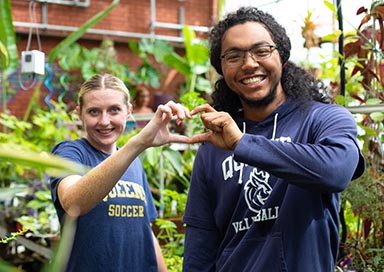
(361, 90)
(24, 158)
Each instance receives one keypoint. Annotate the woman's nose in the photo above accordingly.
(104, 119)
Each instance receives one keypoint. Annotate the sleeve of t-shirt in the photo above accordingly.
(152, 212)
(68, 150)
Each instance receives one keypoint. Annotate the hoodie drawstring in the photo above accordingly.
(274, 126)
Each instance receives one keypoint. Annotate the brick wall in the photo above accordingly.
(130, 16)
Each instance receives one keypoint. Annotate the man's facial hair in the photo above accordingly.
(265, 101)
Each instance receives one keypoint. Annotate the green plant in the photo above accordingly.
(41, 219)
(8, 49)
(80, 63)
(194, 65)
(55, 166)
(40, 134)
(24, 160)
(150, 51)
(362, 232)
(173, 203)
(172, 244)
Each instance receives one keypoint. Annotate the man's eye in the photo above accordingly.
(261, 51)
(233, 56)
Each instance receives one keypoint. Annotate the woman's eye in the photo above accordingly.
(93, 112)
(115, 110)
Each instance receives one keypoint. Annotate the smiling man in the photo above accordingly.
(266, 182)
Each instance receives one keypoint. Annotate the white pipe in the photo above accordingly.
(76, 3)
(99, 31)
(179, 26)
(366, 108)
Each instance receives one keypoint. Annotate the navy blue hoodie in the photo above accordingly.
(272, 204)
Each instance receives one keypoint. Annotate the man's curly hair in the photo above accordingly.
(297, 83)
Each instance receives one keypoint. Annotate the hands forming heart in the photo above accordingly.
(222, 129)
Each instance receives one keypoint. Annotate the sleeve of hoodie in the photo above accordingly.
(328, 163)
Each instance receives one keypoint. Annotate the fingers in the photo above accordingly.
(176, 138)
(216, 121)
(205, 137)
(203, 108)
(171, 109)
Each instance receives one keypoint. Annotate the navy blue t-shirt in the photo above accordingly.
(116, 234)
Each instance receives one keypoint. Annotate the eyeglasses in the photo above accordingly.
(258, 52)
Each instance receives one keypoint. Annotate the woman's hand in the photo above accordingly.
(156, 132)
(223, 131)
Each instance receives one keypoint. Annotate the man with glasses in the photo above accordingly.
(266, 182)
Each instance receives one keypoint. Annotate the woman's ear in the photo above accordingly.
(77, 111)
(130, 109)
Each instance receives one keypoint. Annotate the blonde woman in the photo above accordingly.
(112, 202)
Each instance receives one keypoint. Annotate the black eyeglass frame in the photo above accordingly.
(243, 54)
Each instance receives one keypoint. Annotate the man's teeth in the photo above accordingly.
(252, 80)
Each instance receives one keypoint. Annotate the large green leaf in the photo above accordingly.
(4, 56)
(50, 164)
(196, 51)
(178, 62)
(80, 32)
(7, 36)
(189, 36)
(175, 158)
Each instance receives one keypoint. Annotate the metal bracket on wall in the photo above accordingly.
(76, 3)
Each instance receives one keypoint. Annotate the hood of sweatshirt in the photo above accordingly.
(271, 121)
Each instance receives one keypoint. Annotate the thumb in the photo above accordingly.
(204, 137)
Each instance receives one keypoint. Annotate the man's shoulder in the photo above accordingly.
(329, 110)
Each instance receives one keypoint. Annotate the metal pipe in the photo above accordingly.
(99, 31)
(76, 3)
(153, 18)
(44, 13)
(341, 48)
(179, 26)
(366, 108)
(181, 19)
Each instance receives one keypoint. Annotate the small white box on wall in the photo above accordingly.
(33, 62)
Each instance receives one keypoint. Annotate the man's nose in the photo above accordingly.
(249, 59)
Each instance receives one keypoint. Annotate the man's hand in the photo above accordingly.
(223, 131)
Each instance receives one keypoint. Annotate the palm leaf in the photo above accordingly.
(48, 163)
(7, 35)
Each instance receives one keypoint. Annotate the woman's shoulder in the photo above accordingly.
(69, 143)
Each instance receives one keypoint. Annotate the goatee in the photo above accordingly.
(265, 101)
